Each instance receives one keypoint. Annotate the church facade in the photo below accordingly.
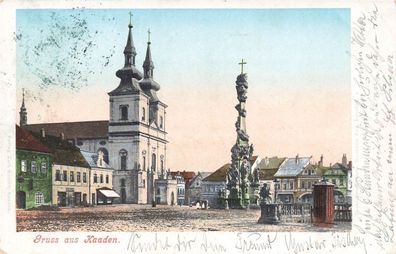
(133, 141)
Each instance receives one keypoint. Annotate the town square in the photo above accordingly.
(151, 164)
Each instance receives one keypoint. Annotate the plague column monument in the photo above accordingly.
(242, 183)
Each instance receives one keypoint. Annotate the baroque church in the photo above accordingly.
(133, 140)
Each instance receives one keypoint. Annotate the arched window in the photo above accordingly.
(143, 114)
(123, 159)
(124, 112)
(153, 162)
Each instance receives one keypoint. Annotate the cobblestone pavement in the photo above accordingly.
(129, 218)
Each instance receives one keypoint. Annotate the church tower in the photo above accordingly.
(23, 112)
(137, 136)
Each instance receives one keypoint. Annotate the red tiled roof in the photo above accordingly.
(73, 130)
(26, 141)
(219, 175)
(187, 175)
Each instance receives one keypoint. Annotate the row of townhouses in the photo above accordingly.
(290, 180)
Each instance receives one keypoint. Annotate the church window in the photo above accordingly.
(123, 159)
(143, 114)
(58, 175)
(33, 167)
(105, 154)
(95, 178)
(153, 161)
(39, 198)
(23, 166)
(124, 112)
(101, 178)
(161, 122)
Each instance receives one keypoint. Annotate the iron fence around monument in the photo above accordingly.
(343, 212)
(302, 212)
(296, 212)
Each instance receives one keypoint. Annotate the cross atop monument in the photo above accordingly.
(242, 63)
(130, 19)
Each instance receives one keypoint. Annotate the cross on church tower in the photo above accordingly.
(130, 19)
(242, 63)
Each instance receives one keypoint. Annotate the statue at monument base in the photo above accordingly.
(269, 211)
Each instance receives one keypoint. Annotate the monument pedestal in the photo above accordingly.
(269, 214)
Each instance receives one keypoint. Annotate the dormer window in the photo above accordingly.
(124, 112)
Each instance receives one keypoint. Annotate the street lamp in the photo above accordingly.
(276, 181)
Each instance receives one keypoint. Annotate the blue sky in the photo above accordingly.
(197, 43)
(297, 61)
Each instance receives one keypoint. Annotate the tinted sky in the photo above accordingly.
(298, 68)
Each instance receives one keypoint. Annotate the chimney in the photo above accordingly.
(42, 132)
(296, 158)
(62, 136)
(321, 161)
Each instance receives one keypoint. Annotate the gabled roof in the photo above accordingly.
(92, 159)
(292, 166)
(73, 130)
(63, 152)
(219, 175)
(26, 141)
(270, 163)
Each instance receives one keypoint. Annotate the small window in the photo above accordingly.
(101, 178)
(123, 158)
(23, 166)
(43, 167)
(95, 178)
(84, 177)
(71, 176)
(161, 122)
(291, 186)
(124, 112)
(39, 198)
(33, 168)
(58, 175)
(143, 114)
(78, 177)
(64, 175)
(107, 178)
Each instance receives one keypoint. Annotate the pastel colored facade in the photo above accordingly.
(133, 141)
(33, 171)
(267, 168)
(194, 188)
(339, 174)
(71, 186)
(214, 185)
(295, 179)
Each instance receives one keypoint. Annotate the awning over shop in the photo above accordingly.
(110, 193)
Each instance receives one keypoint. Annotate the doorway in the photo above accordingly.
(21, 200)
